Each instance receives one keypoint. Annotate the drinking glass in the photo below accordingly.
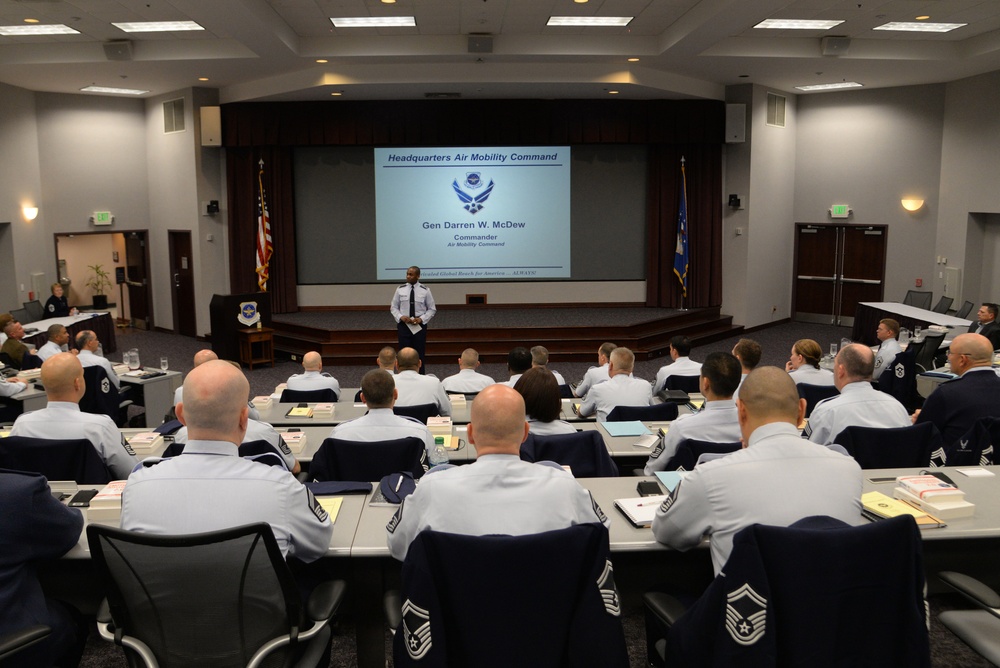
(164, 365)
(918, 331)
(833, 350)
(133, 359)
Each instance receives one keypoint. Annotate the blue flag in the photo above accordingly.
(681, 254)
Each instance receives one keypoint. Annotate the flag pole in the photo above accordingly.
(681, 255)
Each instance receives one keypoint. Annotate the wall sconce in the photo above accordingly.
(30, 212)
(912, 204)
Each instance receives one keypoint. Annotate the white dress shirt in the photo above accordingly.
(313, 380)
(718, 423)
(467, 380)
(682, 366)
(381, 424)
(810, 375)
(423, 302)
(621, 390)
(594, 375)
(88, 358)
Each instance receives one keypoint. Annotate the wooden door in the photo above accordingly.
(862, 267)
(816, 272)
(137, 279)
(182, 282)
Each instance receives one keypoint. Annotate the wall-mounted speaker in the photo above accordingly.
(736, 123)
(835, 46)
(118, 49)
(211, 126)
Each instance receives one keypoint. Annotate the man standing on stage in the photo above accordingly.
(413, 307)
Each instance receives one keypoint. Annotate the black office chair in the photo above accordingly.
(35, 310)
(919, 299)
(222, 598)
(101, 397)
(469, 396)
(689, 450)
(944, 303)
(55, 459)
(813, 394)
(418, 411)
(21, 315)
(664, 412)
(925, 357)
(763, 610)
(976, 447)
(260, 451)
(900, 447)
(965, 309)
(308, 396)
(584, 452)
(563, 610)
(689, 384)
(978, 628)
(13, 642)
(365, 461)
(357, 397)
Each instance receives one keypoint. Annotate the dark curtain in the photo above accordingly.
(703, 165)
(242, 166)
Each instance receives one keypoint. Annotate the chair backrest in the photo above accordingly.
(812, 594)
(101, 395)
(899, 447)
(209, 599)
(689, 384)
(689, 450)
(584, 452)
(418, 411)
(976, 447)
(965, 309)
(35, 310)
(813, 394)
(664, 412)
(21, 315)
(29, 361)
(918, 298)
(900, 378)
(295, 396)
(357, 397)
(55, 459)
(562, 610)
(925, 357)
(365, 461)
(260, 451)
(566, 392)
(943, 305)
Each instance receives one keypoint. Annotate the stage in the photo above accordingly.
(570, 334)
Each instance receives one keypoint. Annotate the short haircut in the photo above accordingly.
(749, 353)
(992, 308)
(858, 361)
(408, 358)
(769, 392)
(387, 356)
(723, 372)
(682, 345)
(519, 360)
(416, 269)
(891, 325)
(54, 330)
(539, 355)
(470, 358)
(83, 338)
(607, 348)
(623, 359)
(810, 350)
(9, 326)
(541, 394)
(377, 386)
(52, 288)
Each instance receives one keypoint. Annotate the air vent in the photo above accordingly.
(173, 116)
(442, 96)
(776, 110)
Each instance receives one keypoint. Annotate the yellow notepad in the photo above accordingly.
(331, 504)
(876, 505)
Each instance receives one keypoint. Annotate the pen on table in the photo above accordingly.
(399, 483)
(649, 503)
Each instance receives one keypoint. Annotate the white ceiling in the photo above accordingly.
(266, 49)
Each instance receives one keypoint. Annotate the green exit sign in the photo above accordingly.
(102, 218)
(840, 211)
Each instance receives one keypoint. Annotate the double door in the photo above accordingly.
(837, 266)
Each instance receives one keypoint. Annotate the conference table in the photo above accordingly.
(101, 323)
(868, 315)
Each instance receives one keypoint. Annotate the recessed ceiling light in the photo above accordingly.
(322, 60)
(580, 2)
(374, 22)
(202, 78)
(158, 26)
(31, 20)
(797, 24)
(612, 92)
(336, 93)
(617, 21)
(113, 91)
(922, 18)
(50, 29)
(831, 86)
(388, 2)
(633, 60)
(906, 26)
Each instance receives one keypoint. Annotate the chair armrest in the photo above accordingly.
(13, 642)
(325, 599)
(392, 602)
(104, 613)
(972, 589)
(303, 476)
(665, 607)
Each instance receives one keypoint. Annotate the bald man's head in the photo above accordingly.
(497, 422)
(968, 351)
(215, 402)
(387, 358)
(62, 376)
(768, 395)
(203, 356)
(408, 360)
(312, 361)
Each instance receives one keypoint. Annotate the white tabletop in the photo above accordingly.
(920, 314)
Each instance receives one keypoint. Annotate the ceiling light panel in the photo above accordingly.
(38, 29)
(113, 91)
(797, 24)
(921, 26)
(831, 86)
(374, 22)
(158, 26)
(577, 21)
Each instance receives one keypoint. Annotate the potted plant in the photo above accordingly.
(99, 281)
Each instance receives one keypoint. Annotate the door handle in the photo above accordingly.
(177, 280)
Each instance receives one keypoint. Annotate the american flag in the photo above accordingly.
(681, 252)
(264, 246)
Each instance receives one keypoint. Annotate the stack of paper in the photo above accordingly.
(324, 409)
(304, 411)
(106, 507)
(934, 496)
(145, 442)
(295, 440)
(439, 426)
(120, 369)
(457, 399)
(877, 506)
(30, 374)
(262, 402)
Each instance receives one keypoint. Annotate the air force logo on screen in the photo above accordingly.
(472, 202)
